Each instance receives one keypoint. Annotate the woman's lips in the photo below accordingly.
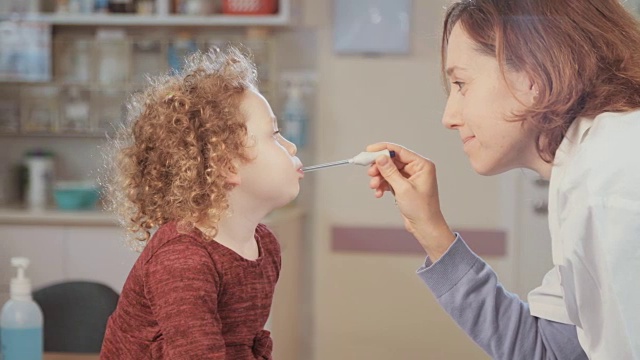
(467, 139)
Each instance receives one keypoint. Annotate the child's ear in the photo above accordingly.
(233, 178)
(231, 174)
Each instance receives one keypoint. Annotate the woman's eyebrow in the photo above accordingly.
(452, 69)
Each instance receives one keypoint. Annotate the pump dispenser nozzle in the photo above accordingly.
(20, 285)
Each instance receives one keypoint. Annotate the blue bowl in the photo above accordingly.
(76, 198)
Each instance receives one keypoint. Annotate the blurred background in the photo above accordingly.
(339, 74)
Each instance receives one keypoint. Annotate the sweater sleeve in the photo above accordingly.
(498, 321)
(182, 284)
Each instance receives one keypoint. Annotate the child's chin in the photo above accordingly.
(292, 198)
(285, 201)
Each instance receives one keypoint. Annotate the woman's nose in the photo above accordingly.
(452, 119)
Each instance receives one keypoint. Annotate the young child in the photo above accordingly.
(202, 163)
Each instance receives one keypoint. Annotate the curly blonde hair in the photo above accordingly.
(184, 135)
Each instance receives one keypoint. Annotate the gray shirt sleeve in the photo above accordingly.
(468, 289)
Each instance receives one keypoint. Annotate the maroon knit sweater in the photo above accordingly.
(190, 299)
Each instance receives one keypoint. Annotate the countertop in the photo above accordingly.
(19, 215)
(69, 356)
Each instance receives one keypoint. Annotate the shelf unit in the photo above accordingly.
(276, 20)
(162, 17)
(160, 27)
(217, 20)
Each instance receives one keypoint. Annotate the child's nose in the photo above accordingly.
(291, 147)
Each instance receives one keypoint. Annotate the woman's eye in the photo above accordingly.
(459, 84)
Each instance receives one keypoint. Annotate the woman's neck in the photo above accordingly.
(533, 161)
(543, 168)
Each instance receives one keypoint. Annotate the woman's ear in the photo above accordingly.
(535, 92)
(524, 88)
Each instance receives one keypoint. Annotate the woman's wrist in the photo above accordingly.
(435, 240)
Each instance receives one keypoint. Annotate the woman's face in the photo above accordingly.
(480, 104)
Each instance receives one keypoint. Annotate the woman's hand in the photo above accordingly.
(412, 179)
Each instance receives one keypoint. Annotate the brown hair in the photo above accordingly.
(184, 135)
(582, 55)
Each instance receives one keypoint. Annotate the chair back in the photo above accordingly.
(75, 315)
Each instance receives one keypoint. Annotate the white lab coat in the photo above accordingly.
(594, 219)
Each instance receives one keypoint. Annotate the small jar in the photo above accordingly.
(121, 6)
(145, 7)
(197, 7)
(249, 7)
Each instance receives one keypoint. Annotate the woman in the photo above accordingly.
(553, 86)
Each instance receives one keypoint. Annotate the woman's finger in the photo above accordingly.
(373, 170)
(375, 182)
(402, 156)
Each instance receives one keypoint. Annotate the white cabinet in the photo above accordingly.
(43, 245)
(98, 253)
(60, 253)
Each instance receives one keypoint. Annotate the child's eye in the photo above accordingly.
(459, 84)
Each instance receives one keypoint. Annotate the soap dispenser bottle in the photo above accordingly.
(21, 336)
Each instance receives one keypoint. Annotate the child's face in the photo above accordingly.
(479, 106)
(272, 177)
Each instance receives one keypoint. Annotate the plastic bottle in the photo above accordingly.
(21, 335)
(179, 49)
(294, 117)
(101, 6)
(40, 182)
